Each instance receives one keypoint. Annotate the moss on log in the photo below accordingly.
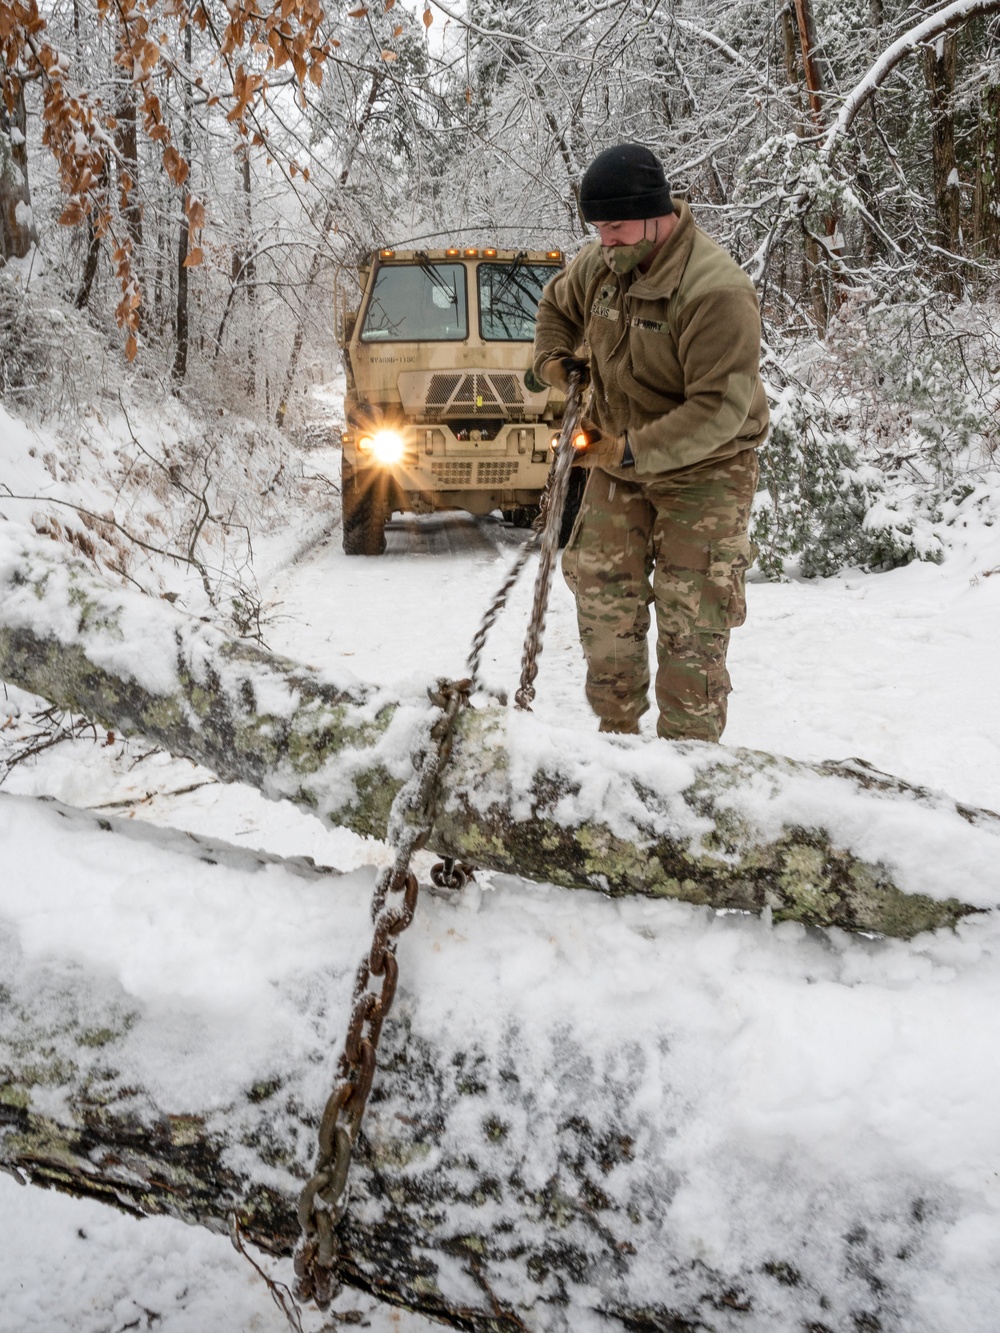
(827, 845)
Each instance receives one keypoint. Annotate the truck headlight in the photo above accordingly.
(387, 446)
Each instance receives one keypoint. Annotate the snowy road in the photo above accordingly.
(896, 668)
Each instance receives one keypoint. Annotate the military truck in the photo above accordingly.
(442, 410)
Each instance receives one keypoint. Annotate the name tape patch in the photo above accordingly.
(654, 325)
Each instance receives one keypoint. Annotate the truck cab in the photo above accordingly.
(442, 410)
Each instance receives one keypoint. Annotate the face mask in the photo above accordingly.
(624, 258)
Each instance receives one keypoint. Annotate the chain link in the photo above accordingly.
(324, 1199)
(556, 490)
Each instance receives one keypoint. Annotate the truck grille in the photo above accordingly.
(509, 389)
(495, 474)
(441, 389)
(452, 473)
(468, 395)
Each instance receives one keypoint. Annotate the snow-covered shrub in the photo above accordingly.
(920, 376)
(51, 360)
(821, 507)
(879, 439)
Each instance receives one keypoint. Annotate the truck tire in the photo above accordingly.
(364, 512)
(521, 517)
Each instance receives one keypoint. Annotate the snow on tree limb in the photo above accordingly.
(719, 44)
(951, 16)
(733, 829)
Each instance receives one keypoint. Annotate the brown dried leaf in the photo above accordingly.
(389, 55)
(131, 348)
(357, 13)
(195, 257)
(428, 18)
(175, 166)
(71, 214)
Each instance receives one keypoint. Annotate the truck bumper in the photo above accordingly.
(441, 471)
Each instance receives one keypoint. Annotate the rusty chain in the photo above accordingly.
(324, 1199)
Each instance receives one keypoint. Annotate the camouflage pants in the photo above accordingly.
(680, 541)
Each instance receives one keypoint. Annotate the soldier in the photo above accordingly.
(669, 328)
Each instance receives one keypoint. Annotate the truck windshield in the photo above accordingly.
(417, 303)
(508, 299)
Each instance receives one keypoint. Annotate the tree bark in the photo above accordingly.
(940, 60)
(92, 258)
(182, 323)
(17, 226)
(986, 206)
(126, 142)
(810, 65)
(821, 282)
(730, 829)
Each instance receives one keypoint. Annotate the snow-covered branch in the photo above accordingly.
(950, 16)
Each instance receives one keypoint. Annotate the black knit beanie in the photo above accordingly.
(624, 183)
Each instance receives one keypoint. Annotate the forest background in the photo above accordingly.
(186, 190)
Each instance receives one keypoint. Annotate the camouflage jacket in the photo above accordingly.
(674, 353)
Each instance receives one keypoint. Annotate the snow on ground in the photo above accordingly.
(896, 668)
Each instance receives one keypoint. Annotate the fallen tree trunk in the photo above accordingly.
(825, 844)
(586, 1115)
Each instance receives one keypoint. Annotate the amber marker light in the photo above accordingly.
(553, 254)
(490, 254)
(452, 252)
(386, 254)
(364, 444)
(579, 441)
(471, 252)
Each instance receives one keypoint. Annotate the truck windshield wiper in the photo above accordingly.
(436, 278)
(508, 277)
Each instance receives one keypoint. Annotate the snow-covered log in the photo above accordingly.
(834, 844)
(587, 1115)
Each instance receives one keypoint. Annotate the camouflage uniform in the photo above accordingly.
(678, 541)
(673, 355)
